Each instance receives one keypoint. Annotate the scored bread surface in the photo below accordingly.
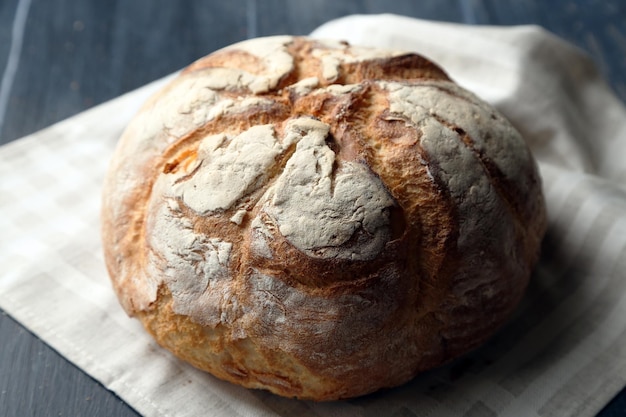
(320, 220)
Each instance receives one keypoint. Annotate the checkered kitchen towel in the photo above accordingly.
(564, 353)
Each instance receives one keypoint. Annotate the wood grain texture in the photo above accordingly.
(75, 54)
(7, 13)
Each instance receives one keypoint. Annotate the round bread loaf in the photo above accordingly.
(320, 220)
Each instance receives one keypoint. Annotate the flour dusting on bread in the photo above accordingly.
(320, 220)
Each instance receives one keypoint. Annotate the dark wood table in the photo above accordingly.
(60, 57)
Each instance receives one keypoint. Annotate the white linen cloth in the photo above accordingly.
(564, 352)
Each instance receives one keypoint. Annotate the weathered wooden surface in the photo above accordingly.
(60, 57)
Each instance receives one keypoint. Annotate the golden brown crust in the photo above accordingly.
(319, 220)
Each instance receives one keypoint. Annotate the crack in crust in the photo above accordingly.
(319, 220)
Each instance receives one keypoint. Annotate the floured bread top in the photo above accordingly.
(285, 189)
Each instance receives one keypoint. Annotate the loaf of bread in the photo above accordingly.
(320, 220)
